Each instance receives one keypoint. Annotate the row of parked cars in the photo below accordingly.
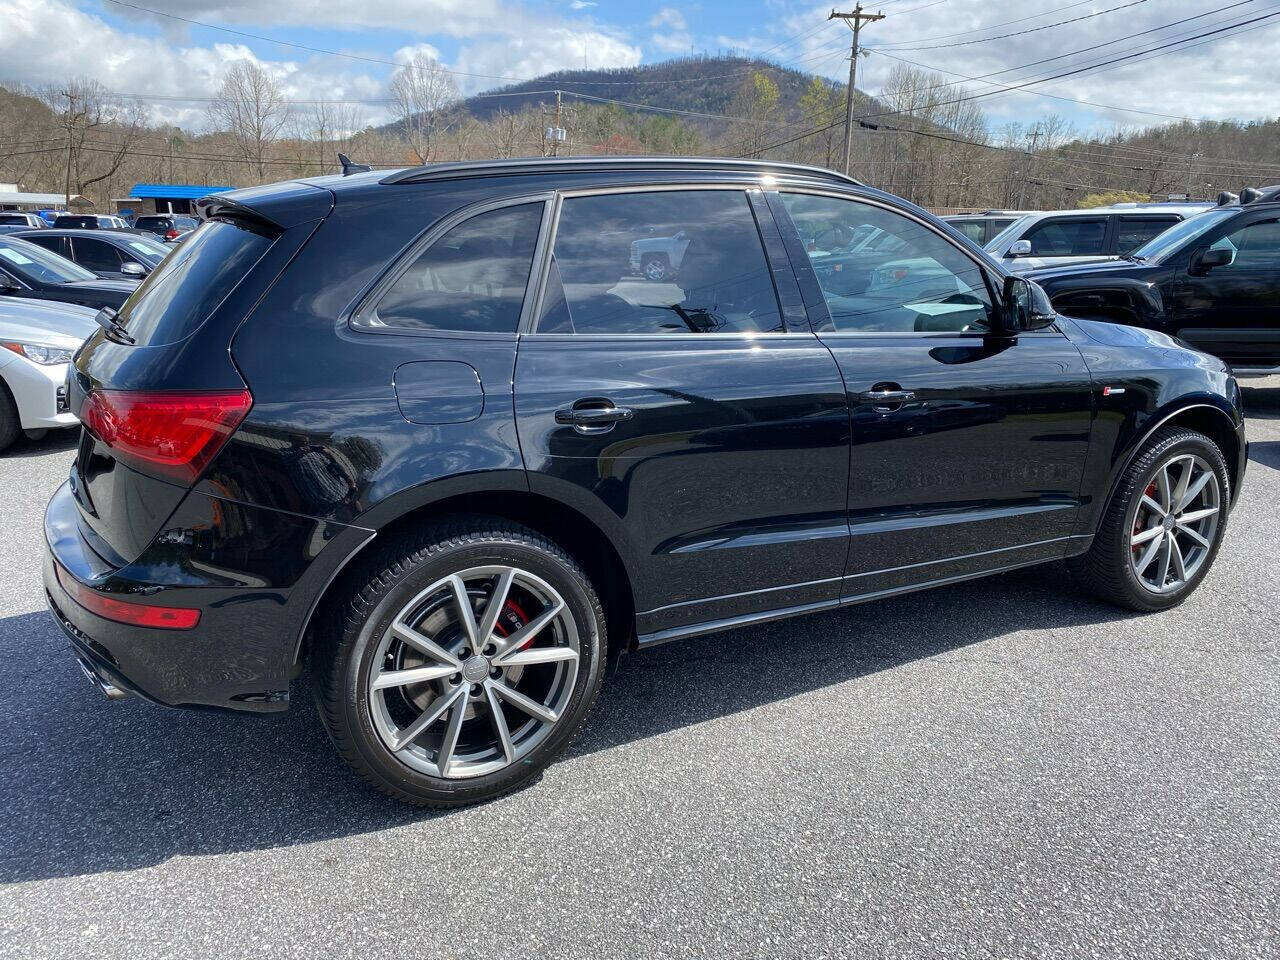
(169, 227)
(1207, 273)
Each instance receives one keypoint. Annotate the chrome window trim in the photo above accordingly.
(368, 299)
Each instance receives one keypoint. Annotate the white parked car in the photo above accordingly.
(1055, 238)
(37, 339)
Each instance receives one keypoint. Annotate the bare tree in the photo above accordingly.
(98, 131)
(251, 108)
(424, 95)
(325, 129)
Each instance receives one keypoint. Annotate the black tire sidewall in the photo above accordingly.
(1183, 444)
(361, 644)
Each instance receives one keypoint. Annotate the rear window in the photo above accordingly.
(187, 287)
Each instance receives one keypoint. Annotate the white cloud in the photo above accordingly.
(551, 49)
(669, 17)
(517, 46)
(672, 42)
(582, 4)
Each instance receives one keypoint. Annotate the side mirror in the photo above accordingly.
(133, 269)
(1026, 306)
(1019, 248)
(1205, 260)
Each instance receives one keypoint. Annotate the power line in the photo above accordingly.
(1019, 33)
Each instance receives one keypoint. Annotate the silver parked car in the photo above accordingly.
(37, 340)
(1056, 238)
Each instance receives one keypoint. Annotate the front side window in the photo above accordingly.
(667, 262)
(906, 279)
(1255, 247)
(1068, 238)
(1135, 231)
(472, 279)
(36, 265)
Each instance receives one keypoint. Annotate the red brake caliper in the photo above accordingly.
(511, 619)
(1139, 516)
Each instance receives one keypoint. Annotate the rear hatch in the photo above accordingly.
(156, 390)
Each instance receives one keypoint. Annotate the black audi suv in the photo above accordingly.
(429, 433)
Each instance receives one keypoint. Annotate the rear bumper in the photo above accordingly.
(243, 652)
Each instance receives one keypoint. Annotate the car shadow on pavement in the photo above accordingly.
(94, 786)
(1261, 402)
(51, 442)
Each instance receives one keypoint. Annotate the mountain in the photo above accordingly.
(700, 84)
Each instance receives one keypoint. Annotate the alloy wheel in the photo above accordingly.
(474, 672)
(1174, 525)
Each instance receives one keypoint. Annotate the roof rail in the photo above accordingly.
(528, 165)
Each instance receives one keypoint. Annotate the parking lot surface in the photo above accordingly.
(1002, 768)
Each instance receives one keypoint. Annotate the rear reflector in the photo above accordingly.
(122, 611)
(169, 434)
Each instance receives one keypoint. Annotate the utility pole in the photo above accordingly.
(1022, 191)
(555, 144)
(854, 21)
(71, 121)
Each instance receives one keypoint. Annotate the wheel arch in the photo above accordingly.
(569, 528)
(1206, 418)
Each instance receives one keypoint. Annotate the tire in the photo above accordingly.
(10, 425)
(1109, 569)
(655, 268)
(412, 583)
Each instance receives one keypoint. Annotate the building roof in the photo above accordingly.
(37, 199)
(172, 191)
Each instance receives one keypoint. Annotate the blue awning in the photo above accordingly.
(173, 191)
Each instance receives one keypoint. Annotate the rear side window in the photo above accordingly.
(96, 254)
(1133, 232)
(668, 262)
(179, 296)
(1068, 238)
(470, 280)
(972, 229)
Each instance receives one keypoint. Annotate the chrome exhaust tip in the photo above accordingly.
(105, 687)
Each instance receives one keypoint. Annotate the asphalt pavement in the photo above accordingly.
(1004, 768)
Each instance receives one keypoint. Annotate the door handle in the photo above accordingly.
(885, 398)
(593, 416)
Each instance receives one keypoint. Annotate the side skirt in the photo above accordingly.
(730, 623)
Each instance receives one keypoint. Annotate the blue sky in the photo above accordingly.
(163, 59)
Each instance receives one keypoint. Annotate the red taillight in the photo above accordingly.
(170, 233)
(172, 435)
(122, 611)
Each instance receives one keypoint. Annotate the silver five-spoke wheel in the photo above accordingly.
(474, 672)
(1175, 523)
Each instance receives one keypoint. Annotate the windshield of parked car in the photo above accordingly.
(1008, 233)
(1173, 239)
(37, 265)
